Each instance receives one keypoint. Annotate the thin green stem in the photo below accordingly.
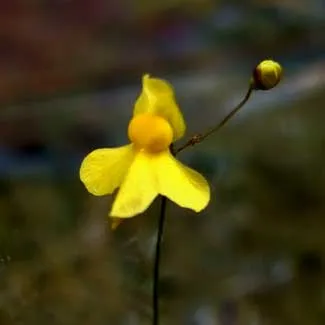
(197, 138)
(161, 222)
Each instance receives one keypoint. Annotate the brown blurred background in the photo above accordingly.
(69, 74)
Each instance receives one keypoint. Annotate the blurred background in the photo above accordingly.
(70, 71)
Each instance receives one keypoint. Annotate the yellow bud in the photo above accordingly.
(267, 75)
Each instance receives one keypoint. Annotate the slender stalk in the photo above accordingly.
(197, 138)
(161, 222)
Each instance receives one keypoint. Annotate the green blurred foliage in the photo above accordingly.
(259, 246)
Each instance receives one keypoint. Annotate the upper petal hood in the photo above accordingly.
(157, 97)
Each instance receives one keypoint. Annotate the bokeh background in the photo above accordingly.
(70, 71)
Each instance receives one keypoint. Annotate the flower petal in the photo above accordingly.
(138, 189)
(157, 97)
(103, 170)
(181, 184)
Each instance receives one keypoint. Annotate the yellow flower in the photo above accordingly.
(146, 168)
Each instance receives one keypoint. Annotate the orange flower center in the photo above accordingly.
(150, 132)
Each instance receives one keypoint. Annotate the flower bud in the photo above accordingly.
(267, 75)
